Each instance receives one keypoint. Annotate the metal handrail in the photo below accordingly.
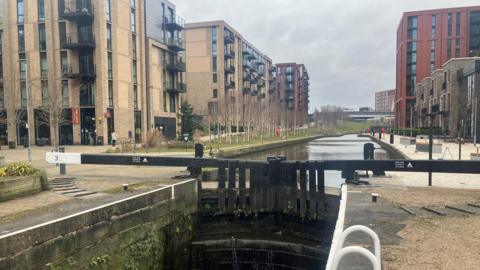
(340, 251)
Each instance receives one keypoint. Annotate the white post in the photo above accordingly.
(475, 123)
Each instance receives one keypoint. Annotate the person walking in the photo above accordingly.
(114, 138)
(95, 137)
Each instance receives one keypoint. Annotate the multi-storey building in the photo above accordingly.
(448, 99)
(384, 100)
(293, 87)
(229, 80)
(425, 41)
(89, 67)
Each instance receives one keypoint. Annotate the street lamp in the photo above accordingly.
(24, 61)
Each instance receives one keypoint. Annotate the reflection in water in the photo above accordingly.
(332, 148)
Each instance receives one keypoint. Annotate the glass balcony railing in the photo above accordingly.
(175, 65)
(78, 10)
(178, 87)
(174, 23)
(176, 44)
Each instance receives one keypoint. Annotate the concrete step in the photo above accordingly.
(64, 188)
(72, 191)
(62, 185)
(85, 193)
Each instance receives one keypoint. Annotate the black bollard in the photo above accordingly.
(392, 137)
(63, 169)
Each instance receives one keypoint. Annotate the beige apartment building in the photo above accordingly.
(448, 99)
(90, 67)
(230, 82)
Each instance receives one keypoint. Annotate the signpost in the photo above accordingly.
(185, 138)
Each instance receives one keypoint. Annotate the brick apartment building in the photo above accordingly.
(425, 41)
(293, 88)
(105, 65)
(229, 80)
(448, 99)
(384, 101)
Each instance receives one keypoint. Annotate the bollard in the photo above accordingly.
(125, 187)
(63, 168)
(392, 137)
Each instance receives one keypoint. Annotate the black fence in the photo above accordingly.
(291, 187)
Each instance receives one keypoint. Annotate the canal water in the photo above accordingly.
(331, 148)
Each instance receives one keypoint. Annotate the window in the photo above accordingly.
(214, 63)
(215, 93)
(434, 26)
(165, 101)
(110, 93)
(20, 11)
(62, 29)
(23, 93)
(109, 37)
(449, 49)
(134, 46)
(2, 96)
(133, 25)
(23, 67)
(214, 40)
(64, 61)
(449, 24)
(42, 40)
(44, 87)
(65, 94)
(215, 77)
(474, 33)
(107, 10)
(21, 38)
(135, 96)
(41, 10)
(457, 47)
(134, 71)
(132, 3)
(43, 65)
(172, 102)
(110, 66)
(458, 21)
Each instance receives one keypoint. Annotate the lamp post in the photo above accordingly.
(24, 61)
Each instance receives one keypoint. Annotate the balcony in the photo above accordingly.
(246, 65)
(229, 39)
(289, 97)
(251, 57)
(247, 90)
(43, 74)
(261, 82)
(271, 88)
(424, 111)
(79, 42)
(246, 77)
(271, 80)
(175, 44)
(260, 64)
(175, 66)
(229, 54)
(272, 69)
(176, 88)
(253, 80)
(245, 53)
(254, 92)
(229, 69)
(83, 73)
(262, 96)
(79, 11)
(435, 108)
(174, 23)
(288, 72)
(230, 85)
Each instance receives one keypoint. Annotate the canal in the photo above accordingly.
(331, 148)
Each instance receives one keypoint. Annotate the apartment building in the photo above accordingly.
(229, 80)
(293, 88)
(90, 67)
(425, 41)
(384, 100)
(448, 99)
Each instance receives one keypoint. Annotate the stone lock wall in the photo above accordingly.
(15, 187)
(147, 231)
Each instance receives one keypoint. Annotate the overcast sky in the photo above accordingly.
(348, 47)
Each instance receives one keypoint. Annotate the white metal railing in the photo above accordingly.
(341, 251)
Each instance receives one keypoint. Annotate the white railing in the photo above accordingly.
(341, 251)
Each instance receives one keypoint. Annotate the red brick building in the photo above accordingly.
(293, 89)
(425, 41)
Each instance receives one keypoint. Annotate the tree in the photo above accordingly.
(186, 117)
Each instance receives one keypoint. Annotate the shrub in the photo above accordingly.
(154, 138)
(19, 169)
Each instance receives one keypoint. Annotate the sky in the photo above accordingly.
(348, 47)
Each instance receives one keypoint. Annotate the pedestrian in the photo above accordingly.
(114, 138)
(95, 137)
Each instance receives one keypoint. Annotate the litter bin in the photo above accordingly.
(25, 141)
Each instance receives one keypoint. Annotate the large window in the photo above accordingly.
(449, 48)
(20, 11)
(457, 47)
(133, 24)
(42, 39)
(434, 26)
(44, 88)
(474, 45)
(23, 93)
(134, 71)
(411, 67)
(41, 10)
(65, 94)
(110, 66)
(21, 38)
(107, 10)
(458, 21)
(109, 37)
(62, 29)
(449, 24)
(43, 65)
(2, 96)
(110, 93)
(172, 102)
(64, 61)
(135, 96)
(134, 46)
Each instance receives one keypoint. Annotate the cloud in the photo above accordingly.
(347, 46)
